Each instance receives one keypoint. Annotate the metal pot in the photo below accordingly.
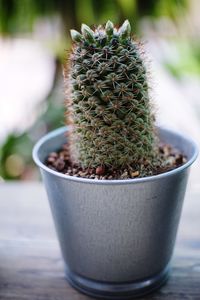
(116, 236)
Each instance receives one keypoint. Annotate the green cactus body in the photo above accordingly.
(108, 103)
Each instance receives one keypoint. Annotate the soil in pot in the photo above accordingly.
(60, 162)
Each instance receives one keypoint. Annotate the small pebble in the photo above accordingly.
(90, 171)
(51, 159)
(53, 154)
(166, 150)
(135, 174)
(59, 164)
(100, 170)
(124, 175)
(179, 159)
(146, 163)
(82, 174)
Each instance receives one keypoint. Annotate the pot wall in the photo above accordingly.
(116, 232)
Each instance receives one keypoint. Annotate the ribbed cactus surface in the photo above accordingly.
(108, 104)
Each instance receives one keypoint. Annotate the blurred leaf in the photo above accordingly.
(171, 8)
(106, 10)
(186, 60)
(128, 8)
(85, 12)
(15, 144)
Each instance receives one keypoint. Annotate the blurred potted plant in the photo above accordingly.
(115, 192)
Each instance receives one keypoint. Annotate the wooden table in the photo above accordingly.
(31, 266)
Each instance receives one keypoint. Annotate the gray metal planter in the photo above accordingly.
(116, 236)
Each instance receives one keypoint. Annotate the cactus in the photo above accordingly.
(108, 105)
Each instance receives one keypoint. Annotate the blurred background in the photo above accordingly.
(34, 42)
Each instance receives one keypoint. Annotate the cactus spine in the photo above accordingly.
(108, 105)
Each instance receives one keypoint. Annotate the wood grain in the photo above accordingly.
(31, 267)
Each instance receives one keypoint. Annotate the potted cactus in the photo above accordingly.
(115, 191)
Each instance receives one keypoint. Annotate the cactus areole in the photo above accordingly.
(107, 97)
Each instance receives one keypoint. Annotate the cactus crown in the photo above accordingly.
(108, 105)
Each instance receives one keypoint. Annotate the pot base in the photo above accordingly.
(122, 291)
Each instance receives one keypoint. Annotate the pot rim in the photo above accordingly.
(61, 130)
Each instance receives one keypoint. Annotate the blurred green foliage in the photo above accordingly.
(187, 58)
(20, 16)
